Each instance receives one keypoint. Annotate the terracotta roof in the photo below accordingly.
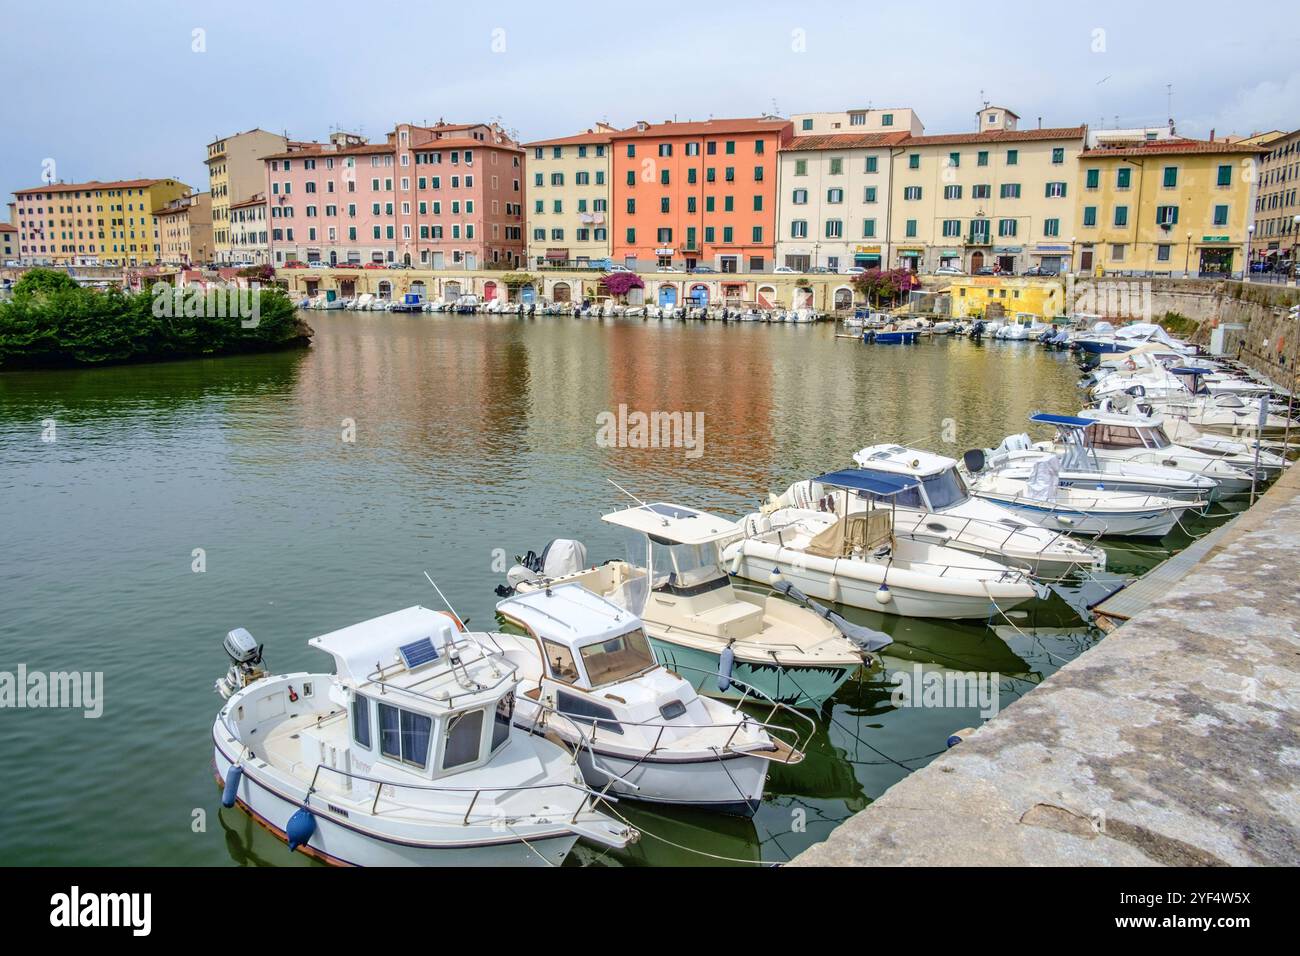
(998, 136)
(845, 140)
(578, 139)
(754, 124)
(91, 184)
(257, 199)
(5, 227)
(1171, 147)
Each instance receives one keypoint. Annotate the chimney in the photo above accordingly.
(1211, 136)
(1040, 122)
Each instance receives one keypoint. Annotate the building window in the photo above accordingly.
(800, 197)
(1092, 179)
(1013, 157)
(1162, 252)
(835, 196)
(868, 229)
(1058, 156)
(1171, 177)
(951, 228)
(834, 229)
(1123, 178)
(914, 161)
(1010, 190)
(1225, 176)
(869, 194)
(1056, 190)
(1051, 228)
(1006, 228)
(1121, 215)
(912, 192)
(1220, 215)
(1090, 216)
(982, 158)
(910, 229)
(951, 192)
(799, 229)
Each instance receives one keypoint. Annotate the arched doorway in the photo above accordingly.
(699, 295)
(489, 291)
(417, 288)
(803, 297)
(527, 294)
(334, 258)
(766, 296)
(560, 292)
(843, 298)
(406, 259)
(450, 291)
(976, 262)
(385, 289)
(667, 295)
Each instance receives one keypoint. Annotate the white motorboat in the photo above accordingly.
(856, 559)
(1035, 492)
(588, 676)
(1136, 437)
(939, 509)
(1081, 467)
(723, 640)
(405, 755)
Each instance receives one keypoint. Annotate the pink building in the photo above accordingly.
(444, 196)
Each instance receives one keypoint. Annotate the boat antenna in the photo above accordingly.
(626, 492)
(463, 621)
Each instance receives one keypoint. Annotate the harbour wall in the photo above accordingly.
(1174, 741)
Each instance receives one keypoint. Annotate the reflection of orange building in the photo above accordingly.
(688, 194)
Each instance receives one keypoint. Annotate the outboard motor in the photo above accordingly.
(560, 557)
(974, 460)
(245, 663)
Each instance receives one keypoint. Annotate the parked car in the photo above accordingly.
(703, 269)
(375, 265)
(1041, 271)
(986, 271)
(615, 267)
(818, 270)
(295, 264)
(852, 271)
(318, 264)
(785, 270)
(949, 271)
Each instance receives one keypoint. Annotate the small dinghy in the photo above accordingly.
(854, 558)
(407, 755)
(588, 677)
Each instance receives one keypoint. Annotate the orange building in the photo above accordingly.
(697, 194)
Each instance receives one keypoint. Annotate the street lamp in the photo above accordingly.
(1187, 261)
(1294, 234)
(1072, 253)
(1245, 269)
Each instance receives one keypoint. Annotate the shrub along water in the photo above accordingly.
(52, 321)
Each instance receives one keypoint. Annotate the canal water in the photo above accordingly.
(147, 510)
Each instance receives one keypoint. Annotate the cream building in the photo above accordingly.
(235, 173)
(248, 239)
(1001, 198)
(858, 122)
(185, 230)
(1277, 202)
(833, 200)
(568, 198)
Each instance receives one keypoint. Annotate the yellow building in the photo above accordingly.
(1177, 206)
(185, 230)
(999, 198)
(993, 296)
(568, 191)
(235, 173)
(93, 223)
(8, 243)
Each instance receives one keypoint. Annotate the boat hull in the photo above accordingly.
(340, 843)
(1147, 523)
(805, 687)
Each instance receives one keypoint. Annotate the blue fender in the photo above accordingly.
(231, 789)
(726, 661)
(300, 828)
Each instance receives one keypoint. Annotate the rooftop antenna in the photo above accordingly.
(463, 622)
(1169, 101)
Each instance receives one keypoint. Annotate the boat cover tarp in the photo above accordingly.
(1044, 479)
(861, 533)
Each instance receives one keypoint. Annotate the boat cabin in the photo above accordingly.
(1107, 431)
(586, 641)
(936, 484)
(423, 696)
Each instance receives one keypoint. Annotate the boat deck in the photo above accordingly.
(1127, 602)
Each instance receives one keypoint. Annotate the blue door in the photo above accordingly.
(699, 296)
(667, 295)
(527, 295)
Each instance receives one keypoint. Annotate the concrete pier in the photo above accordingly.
(1174, 741)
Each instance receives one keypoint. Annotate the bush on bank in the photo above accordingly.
(52, 321)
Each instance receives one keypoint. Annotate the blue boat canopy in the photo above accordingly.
(883, 483)
(1065, 421)
(1192, 370)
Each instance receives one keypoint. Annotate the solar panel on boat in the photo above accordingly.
(418, 653)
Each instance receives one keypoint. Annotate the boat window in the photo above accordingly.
(944, 489)
(404, 735)
(1156, 437)
(361, 720)
(686, 568)
(464, 734)
(587, 711)
(501, 723)
(907, 498)
(560, 661)
(1117, 436)
(672, 710)
(618, 658)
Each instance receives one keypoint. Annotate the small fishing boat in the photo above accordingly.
(891, 336)
(589, 677)
(698, 624)
(1034, 491)
(854, 558)
(406, 755)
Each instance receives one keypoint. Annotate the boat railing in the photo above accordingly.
(455, 665)
(474, 792)
(791, 737)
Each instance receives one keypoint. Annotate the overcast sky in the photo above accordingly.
(123, 89)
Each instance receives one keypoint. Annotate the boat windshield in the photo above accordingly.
(618, 658)
(686, 568)
(944, 489)
(1156, 437)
